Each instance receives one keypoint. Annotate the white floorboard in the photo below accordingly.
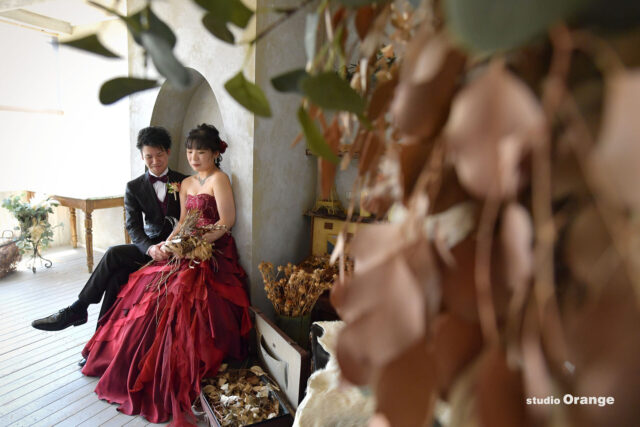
(40, 382)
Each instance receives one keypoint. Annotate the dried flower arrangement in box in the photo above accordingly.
(294, 289)
(241, 397)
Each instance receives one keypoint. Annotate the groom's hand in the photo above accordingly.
(158, 254)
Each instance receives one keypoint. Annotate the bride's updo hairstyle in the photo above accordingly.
(206, 137)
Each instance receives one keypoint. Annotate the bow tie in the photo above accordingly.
(163, 178)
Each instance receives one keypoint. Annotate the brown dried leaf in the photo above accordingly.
(459, 287)
(616, 158)
(463, 398)
(327, 169)
(364, 19)
(413, 158)
(568, 179)
(388, 320)
(588, 251)
(377, 204)
(536, 375)
(383, 304)
(458, 282)
(372, 150)
(500, 399)
(406, 389)
(381, 98)
(428, 79)
(447, 192)
(447, 229)
(493, 124)
(605, 347)
(377, 31)
(455, 343)
(338, 17)
(516, 234)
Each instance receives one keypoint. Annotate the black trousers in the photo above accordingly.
(110, 274)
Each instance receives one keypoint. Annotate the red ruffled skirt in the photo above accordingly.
(153, 347)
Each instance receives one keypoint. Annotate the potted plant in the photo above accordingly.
(33, 222)
(294, 289)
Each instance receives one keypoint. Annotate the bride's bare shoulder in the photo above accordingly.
(187, 182)
(220, 177)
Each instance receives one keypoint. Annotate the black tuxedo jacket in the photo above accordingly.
(140, 199)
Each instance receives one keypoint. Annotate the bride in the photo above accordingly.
(177, 319)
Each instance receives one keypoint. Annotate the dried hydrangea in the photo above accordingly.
(241, 397)
(294, 289)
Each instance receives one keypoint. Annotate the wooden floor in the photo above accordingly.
(40, 381)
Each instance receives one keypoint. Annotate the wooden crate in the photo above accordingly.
(284, 360)
(285, 419)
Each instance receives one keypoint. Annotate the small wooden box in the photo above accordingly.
(284, 360)
(287, 362)
(285, 419)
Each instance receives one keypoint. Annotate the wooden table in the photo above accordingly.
(88, 205)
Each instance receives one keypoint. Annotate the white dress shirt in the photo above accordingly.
(159, 186)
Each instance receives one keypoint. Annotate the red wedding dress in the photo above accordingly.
(153, 347)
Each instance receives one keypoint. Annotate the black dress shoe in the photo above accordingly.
(82, 363)
(61, 320)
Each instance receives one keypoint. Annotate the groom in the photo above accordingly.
(146, 195)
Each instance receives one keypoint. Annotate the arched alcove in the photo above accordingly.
(181, 110)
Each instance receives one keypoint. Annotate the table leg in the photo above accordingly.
(72, 225)
(127, 239)
(88, 240)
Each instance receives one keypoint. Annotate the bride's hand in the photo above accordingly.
(157, 253)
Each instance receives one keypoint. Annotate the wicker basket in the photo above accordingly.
(9, 254)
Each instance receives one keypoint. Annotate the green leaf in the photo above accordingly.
(149, 21)
(233, 11)
(90, 44)
(487, 26)
(143, 21)
(415, 3)
(248, 95)
(133, 24)
(218, 28)
(115, 89)
(315, 141)
(290, 81)
(165, 61)
(158, 40)
(329, 91)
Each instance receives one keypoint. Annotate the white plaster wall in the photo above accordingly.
(217, 62)
(344, 185)
(203, 108)
(284, 177)
(180, 111)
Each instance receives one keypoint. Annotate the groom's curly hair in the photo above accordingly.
(154, 136)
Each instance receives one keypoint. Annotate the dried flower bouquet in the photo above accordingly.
(294, 289)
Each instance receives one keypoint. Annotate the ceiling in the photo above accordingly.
(56, 16)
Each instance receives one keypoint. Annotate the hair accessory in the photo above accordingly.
(223, 146)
